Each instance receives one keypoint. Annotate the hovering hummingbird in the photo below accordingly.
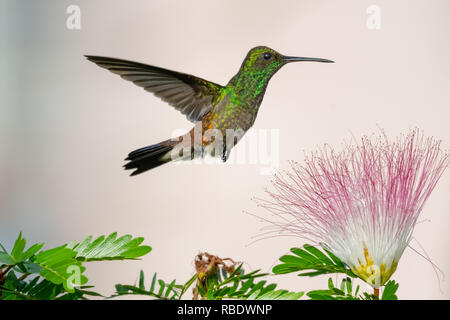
(212, 106)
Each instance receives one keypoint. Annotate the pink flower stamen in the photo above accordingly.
(361, 203)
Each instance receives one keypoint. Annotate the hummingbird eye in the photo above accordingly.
(267, 55)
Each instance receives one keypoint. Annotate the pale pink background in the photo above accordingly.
(66, 124)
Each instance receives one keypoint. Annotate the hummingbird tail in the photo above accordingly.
(149, 157)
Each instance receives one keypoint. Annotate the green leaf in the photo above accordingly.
(241, 285)
(141, 280)
(312, 260)
(161, 287)
(369, 296)
(276, 295)
(348, 283)
(318, 254)
(58, 265)
(330, 284)
(389, 292)
(188, 284)
(6, 259)
(357, 290)
(18, 248)
(110, 248)
(61, 268)
(165, 291)
(79, 294)
(321, 295)
(345, 292)
(152, 287)
(335, 259)
(304, 255)
(17, 253)
(169, 289)
(39, 289)
(31, 251)
(30, 267)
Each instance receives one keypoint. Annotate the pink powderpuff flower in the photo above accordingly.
(361, 203)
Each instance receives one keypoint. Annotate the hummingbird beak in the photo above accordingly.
(293, 59)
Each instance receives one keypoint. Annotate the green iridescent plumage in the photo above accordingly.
(232, 107)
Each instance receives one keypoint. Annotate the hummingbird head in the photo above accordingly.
(263, 59)
(261, 63)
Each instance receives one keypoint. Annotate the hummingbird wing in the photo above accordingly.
(190, 95)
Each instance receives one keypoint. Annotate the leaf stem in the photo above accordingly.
(376, 292)
(6, 269)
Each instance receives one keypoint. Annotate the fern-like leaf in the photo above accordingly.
(58, 266)
(345, 292)
(312, 260)
(18, 253)
(389, 291)
(39, 288)
(109, 248)
(158, 289)
(241, 285)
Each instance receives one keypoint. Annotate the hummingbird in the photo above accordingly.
(212, 107)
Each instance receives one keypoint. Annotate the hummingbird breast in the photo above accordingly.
(232, 113)
(231, 119)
